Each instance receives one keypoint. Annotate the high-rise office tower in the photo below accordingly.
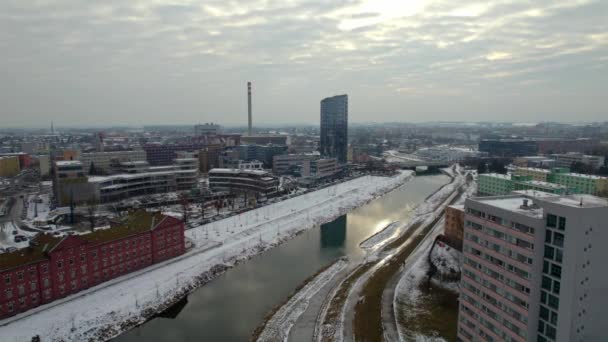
(334, 127)
(533, 268)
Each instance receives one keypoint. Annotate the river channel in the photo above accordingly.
(230, 307)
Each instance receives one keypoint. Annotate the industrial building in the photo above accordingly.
(55, 267)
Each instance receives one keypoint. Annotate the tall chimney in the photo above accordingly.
(249, 106)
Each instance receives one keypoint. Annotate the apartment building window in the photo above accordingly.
(551, 221)
(7, 279)
(558, 239)
(562, 223)
(556, 287)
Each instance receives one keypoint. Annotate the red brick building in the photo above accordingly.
(454, 225)
(53, 267)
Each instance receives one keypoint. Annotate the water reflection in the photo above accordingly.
(333, 234)
(230, 307)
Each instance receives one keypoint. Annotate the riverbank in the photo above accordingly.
(113, 309)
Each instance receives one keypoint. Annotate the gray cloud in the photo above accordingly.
(188, 61)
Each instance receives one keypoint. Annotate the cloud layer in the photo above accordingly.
(144, 61)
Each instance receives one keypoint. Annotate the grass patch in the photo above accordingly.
(334, 311)
(368, 312)
(433, 314)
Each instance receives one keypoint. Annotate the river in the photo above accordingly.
(230, 307)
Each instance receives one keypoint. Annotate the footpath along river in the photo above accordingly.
(233, 305)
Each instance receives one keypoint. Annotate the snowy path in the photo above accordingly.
(279, 326)
(109, 310)
(413, 273)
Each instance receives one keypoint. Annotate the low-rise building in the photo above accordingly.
(492, 184)
(585, 184)
(70, 184)
(55, 267)
(243, 181)
(99, 163)
(9, 166)
(567, 159)
(454, 225)
(536, 173)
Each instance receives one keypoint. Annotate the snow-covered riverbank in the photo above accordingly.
(108, 309)
(279, 325)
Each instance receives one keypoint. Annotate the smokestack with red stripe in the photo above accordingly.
(249, 106)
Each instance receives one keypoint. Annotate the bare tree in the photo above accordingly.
(183, 200)
(92, 208)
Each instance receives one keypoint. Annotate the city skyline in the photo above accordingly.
(412, 61)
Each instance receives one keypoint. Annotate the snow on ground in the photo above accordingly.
(8, 231)
(386, 233)
(38, 210)
(448, 261)
(279, 326)
(106, 310)
(416, 266)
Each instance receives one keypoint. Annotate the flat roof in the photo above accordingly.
(513, 203)
(68, 163)
(237, 171)
(535, 193)
(579, 201)
(496, 175)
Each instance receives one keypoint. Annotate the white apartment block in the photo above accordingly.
(533, 268)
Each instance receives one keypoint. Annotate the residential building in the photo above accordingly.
(454, 225)
(492, 184)
(9, 166)
(243, 181)
(55, 267)
(533, 268)
(25, 160)
(586, 184)
(567, 159)
(536, 173)
(208, 157)
(70, 184)
(324, 167)
(44, 164)
(334, 127)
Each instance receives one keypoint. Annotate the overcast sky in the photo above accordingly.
(180, 62)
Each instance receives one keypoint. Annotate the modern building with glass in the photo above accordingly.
(334, 127)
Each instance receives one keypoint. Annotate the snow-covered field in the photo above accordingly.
(108, 309)
(279, 325)
(7, 235)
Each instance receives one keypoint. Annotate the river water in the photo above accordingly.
(233, 305)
